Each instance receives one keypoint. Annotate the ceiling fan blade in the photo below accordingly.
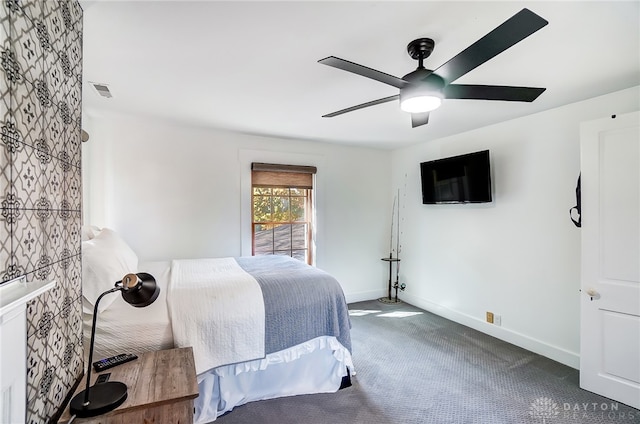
(418, 119)
(345, 65)
(513, 30)
(363, 105)
(492, 92)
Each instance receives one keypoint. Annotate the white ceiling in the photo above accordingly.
(252, 67)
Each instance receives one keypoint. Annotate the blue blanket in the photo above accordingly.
(301, 302)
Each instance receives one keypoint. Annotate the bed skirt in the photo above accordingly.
(320, 365)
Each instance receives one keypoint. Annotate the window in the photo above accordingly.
(282, 210)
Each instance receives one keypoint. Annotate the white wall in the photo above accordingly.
(519, 256)
(177, 192)
(181, 192)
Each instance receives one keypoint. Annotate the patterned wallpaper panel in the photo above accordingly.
(40, 186)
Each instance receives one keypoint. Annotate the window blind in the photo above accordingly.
(291, 176)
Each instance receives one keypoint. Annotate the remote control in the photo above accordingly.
(113, 361)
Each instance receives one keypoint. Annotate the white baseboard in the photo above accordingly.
(362, 296)
(563, 356)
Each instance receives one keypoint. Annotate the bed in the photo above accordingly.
(261, 327)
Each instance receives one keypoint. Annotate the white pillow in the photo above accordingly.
(89, 231)
(106, 258)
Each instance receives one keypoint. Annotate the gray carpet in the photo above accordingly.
(416, 367)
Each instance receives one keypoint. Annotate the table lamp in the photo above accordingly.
(139, 290)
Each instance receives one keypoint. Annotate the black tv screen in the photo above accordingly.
(458, 179)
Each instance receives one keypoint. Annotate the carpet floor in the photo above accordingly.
(414, 367)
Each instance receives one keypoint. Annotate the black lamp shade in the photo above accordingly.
(139, 289)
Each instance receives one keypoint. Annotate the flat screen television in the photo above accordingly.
(457, 179)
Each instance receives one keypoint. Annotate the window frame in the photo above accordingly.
(275, 176)
(307, 222)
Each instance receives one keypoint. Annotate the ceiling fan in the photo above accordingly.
(422, 90)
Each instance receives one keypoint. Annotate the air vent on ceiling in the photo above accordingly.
(102, 89)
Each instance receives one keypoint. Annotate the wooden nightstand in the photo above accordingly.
(161, 387)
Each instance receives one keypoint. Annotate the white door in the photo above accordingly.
(610, 301)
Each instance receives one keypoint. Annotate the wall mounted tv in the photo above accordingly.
(457, 179)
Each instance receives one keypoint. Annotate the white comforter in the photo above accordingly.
(217, 308)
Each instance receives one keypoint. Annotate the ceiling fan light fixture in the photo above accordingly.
(423, 94)
(421, 103)
(422, 90)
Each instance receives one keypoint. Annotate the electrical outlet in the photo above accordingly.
(497, 319)
(490, 317)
